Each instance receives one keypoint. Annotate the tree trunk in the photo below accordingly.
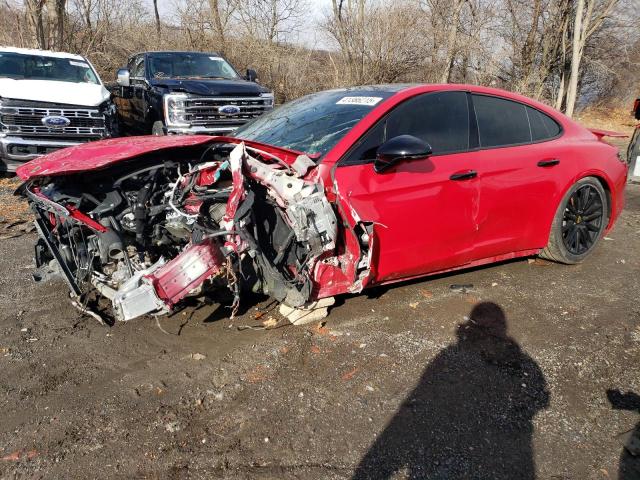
(452, 34)
(576, 57)
(214, 6)
(34, 13)
(157, 15)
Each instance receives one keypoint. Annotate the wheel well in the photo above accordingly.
(607, 192)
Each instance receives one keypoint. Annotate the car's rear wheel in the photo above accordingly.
(579, 222)
(157, 128)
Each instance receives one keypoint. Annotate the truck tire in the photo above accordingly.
(158, 128)
(579, 223)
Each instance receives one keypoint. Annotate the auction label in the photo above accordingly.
(367, 101)
(78, 64)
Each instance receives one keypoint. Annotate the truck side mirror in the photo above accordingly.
(123, 77)
(251, 75)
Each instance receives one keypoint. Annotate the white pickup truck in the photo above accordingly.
(49, 100)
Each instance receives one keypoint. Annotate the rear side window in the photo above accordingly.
(501, 122)
(543, 127)
(441, 119)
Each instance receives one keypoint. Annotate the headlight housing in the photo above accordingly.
(175, 110)
(268, 98)
(107, 107)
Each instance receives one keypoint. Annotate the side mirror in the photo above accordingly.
(251, 75)
(123, 77)
(398, 149)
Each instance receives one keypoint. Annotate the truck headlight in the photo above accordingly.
(175, 110)
(268, 98)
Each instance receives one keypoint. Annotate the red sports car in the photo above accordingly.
(328, 194)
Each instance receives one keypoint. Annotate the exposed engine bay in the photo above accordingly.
(148, 233)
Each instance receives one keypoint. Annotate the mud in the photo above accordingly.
(504, 379)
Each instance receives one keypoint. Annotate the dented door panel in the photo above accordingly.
(422, 220)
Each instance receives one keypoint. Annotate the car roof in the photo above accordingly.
(176, 51)
(43, 53)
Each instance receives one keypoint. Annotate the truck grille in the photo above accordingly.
(205, 112)
(24, 118)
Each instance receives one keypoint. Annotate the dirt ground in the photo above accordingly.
(504, 379)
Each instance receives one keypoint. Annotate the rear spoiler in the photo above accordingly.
(607, 133)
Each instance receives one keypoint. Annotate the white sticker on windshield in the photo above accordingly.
(216, 58)
(79, 64)
(367, 101)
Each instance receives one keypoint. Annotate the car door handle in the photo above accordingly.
(467, 175)
(548, 163)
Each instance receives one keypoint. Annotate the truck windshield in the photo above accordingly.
(315, 123)
(36, 67)
(189, 65)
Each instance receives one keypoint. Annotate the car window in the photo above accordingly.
(501, 122)
(315, 123)
(543, 127)
(138, 69)
(19, 66)
(441, 119)
(189, 65)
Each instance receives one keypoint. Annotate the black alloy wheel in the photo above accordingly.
(582, 220)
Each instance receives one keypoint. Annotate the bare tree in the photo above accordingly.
(588, 17)
(157, 15)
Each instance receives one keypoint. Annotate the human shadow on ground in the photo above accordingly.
(470, 415)
(629, 468)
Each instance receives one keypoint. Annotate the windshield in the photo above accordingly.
(315, 123)
(190, 65)
(19, 66)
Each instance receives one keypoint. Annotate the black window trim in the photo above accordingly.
(532, 142)
(474, 130)
(474, 133)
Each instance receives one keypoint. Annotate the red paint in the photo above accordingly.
(86, 219)
(423, 223)
(187, 271)
(427, 226)
(607, 133)
(104, 153)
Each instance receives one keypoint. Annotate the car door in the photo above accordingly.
(138, 102)
(423, 210)
(522, 171)
(123, 100)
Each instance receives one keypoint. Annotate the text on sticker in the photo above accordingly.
(368, 101)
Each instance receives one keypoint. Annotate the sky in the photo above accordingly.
(167, 8)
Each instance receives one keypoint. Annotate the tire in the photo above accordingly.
(579, 223)
(158, 129)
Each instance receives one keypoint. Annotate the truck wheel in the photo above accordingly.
(157, 128)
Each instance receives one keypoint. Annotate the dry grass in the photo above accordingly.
(616, 119)
(12, 209)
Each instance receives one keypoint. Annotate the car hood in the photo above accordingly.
(104, 153)
(85, 94)
(212, 87)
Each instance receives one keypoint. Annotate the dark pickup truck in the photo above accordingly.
(163, 93)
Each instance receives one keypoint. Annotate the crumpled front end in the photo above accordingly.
(145, 234)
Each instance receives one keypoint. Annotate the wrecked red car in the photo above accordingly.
(325, 195)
